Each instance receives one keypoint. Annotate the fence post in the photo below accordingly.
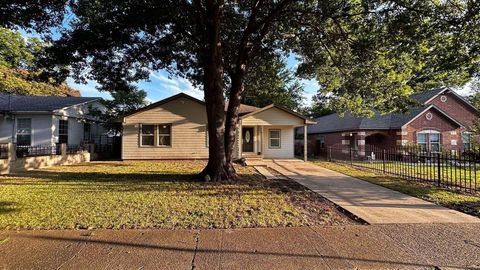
(438, 169)
(63, 150)
(383, 160)
(351, 156)
(12, 151)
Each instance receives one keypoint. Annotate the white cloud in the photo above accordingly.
(88, 89)
(173, 85)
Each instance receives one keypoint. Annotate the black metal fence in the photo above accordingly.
(453, 170)
(75, 149)
(4, 151)
(37, 150)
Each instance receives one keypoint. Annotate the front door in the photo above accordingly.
(247, 139)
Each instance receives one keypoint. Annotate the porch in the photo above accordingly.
(270, 133)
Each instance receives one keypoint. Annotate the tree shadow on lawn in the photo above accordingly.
(247, 184)
(6, 207)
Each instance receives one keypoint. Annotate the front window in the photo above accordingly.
(87, 132)
(147, 135)
(274, 138)
(63, 131)
(467, 141)
(429, 140)
(24, 131)
(422, 141)
(435, 142)
(165, 135)
(321, 142)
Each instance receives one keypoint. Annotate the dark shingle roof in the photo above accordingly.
(334, 122)
(16, 103)
(423, 97)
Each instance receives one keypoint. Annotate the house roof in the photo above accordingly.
(307, 120)
(243, 109)
(335, 122)
(16, 103)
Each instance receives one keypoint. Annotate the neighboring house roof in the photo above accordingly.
(335, 123)
(15, 103)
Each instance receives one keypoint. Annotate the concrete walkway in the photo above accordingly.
(372, 203)
(404, 246)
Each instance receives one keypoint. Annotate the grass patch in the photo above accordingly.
(145, 194)
(469, 204)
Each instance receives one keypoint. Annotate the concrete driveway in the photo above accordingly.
(372, 203)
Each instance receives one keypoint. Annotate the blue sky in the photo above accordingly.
(162, 85)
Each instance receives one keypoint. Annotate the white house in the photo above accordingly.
(48, 120)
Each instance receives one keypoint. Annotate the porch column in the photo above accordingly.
(305, 136)
(261, 140)
(240, 138)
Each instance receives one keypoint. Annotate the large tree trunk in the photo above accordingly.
(218, 168)
(232, 111)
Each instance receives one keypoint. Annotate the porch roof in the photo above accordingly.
(304, 120)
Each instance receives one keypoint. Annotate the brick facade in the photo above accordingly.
(455, 107)
(451, 134)
(459, 118)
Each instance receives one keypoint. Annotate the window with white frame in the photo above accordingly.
(274, 140)
(24, 131)
(467, 141)
(164, 135)
(63, 131)
(429, 140)
(147, 135)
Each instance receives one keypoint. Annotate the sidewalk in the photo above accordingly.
(372, 203)
(403, 246)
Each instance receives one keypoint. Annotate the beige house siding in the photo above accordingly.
(286, 143)
(273, 116)
(189, 131)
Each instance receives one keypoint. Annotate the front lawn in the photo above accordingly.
(154, 195)
(469, 204)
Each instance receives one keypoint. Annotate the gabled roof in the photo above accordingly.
(425, 96)
(242, 110)
(16, 103)
(307, 120)
(335, 123)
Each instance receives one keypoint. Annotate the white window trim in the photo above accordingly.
(428, 142)
(141, 135)
(470, 142)
(31, 129)
(157, 135)
(68, 127)
(279, 139)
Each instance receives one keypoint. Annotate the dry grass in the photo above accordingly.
(150, 195)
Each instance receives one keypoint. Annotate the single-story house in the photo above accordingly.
(48, 120)
(176, 128)
(440, 122)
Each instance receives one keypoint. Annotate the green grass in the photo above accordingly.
(469, 204)
(147, 195)
(465, 177)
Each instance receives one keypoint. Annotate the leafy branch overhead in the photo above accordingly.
(366, 54)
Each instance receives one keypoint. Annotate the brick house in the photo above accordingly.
(440, 123)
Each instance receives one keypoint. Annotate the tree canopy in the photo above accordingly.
(18, 67)
(270, 81)
(368, 54)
